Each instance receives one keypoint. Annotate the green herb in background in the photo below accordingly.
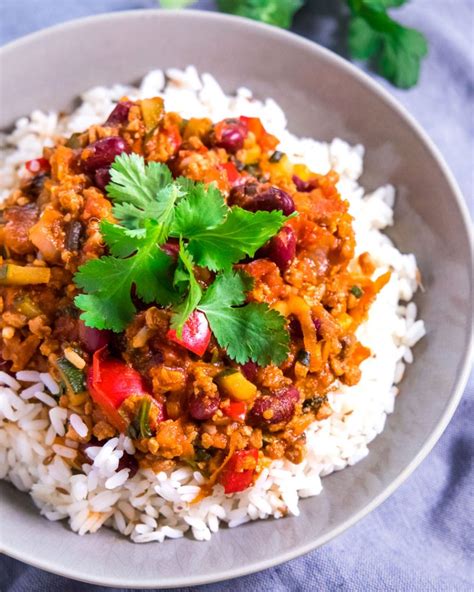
(373, 35)
(272, 12)
(176, 3)
(397, 50)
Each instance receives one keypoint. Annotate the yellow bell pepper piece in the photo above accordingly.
(152, 111)
(236, 386)
(17, 275)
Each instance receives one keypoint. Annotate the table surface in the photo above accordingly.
(421, 538)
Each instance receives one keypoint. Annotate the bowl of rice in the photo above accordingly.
(330, 143)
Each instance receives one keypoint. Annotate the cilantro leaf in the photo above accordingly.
(251, 332)
(142, 192)
(185, 274)
(219, 236)
(118, 239)
(109, 280)
(272, 12)
(400, 58)
(398, 50)
(202, 208)
(364, 42)
(228, 289)
(134, 182)
(242, 234)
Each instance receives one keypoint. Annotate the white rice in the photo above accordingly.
(78, 425)
(152, 507)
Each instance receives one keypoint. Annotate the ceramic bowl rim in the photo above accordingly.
(468, 354)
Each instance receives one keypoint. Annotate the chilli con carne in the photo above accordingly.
(171, 375)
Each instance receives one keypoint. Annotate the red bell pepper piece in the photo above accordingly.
(196, 333)
(171, 248)
(265, 140)
(236, 410)
(254, 125)
(230, 134)
(232, 173)
(239, 471)
(110, 382)
(174, 137)
(37, 165)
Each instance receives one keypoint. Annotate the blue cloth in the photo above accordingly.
(422, 538)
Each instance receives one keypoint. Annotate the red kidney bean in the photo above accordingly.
(281, 404)
(295, 329)
(171, 248)
(119, 114)
(282, 248)
(271, 199)
(162, 415)
(231, 135)
(242, 195)
(128, 462)
(92, 339)
(304, 186)
(156, 358)
(83, 446)
(317, 326)
(250, 371)
(103, 153)
(202, 406)
(102, 177)
(254, 196)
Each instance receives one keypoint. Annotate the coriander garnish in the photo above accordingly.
(151, 207)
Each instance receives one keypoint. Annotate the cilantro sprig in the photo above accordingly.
(142, 193)
(150, 207)
(241, 233)
(134, 263)
(185, 280)
(397, 50)
(373, 34)
(257, 326)
(272, 12)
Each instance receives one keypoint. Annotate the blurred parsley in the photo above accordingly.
(373, 34)
(272, 12)
(176, 3)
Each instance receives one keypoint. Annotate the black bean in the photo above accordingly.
(303, 357)
(276, 156)
(73, 235)
(34, 187)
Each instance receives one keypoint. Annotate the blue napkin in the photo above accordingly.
(422, 538)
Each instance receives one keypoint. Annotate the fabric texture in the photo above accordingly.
(422, 537)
